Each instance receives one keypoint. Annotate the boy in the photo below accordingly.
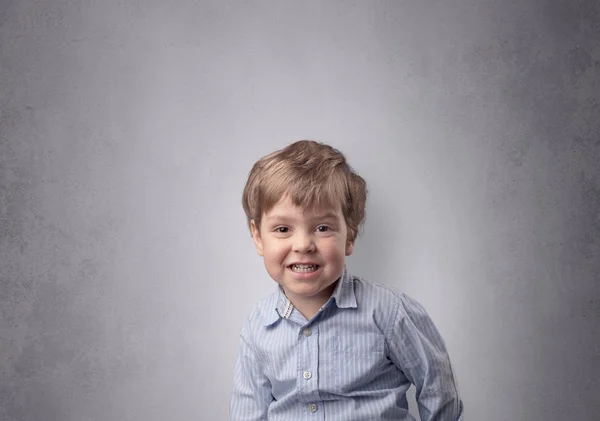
(327, 345)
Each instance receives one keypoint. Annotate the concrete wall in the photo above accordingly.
(127, 129)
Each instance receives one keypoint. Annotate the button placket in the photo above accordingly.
(308, 361)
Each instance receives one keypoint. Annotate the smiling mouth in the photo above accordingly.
(304, 268)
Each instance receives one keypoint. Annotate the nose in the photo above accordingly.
(303, 243)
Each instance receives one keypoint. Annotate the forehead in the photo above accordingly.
(286, 209)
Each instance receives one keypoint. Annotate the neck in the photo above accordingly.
(308, 309)
(310, 306)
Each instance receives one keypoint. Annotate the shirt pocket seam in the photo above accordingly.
(346, 355)
(378, 347)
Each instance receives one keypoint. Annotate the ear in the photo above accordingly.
(349, 247)
(256, 237)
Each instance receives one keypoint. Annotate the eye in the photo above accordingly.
(323, 228)
(282, 230)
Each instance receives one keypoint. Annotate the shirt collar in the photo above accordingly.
(344, 291)
(281, 307)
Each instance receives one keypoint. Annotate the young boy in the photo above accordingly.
(327, 345)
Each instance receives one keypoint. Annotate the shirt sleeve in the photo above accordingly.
(251, 393)
(418, 349)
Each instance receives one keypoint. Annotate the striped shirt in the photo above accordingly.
(354, 360)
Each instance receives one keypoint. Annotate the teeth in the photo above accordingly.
(304, 268)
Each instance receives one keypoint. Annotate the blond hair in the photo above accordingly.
(312, 175)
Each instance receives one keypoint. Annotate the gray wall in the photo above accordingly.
(127, 129)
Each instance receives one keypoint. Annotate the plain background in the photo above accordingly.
(127, 130)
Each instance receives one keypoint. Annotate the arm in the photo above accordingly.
(251, 394)
(418, 349)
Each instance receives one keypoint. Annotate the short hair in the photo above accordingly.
(312, 175)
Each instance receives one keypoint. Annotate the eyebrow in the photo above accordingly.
(326, 215)
(276, 218)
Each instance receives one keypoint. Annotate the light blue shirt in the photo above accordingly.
(354, 360)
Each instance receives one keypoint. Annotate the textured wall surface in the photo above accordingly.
(127, 129)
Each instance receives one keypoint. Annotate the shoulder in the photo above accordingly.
(378, 293)
(386, 300)
(263, 313)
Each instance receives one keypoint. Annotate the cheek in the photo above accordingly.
(333, 249)
(275, 251)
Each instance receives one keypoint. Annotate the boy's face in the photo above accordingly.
(304, 250)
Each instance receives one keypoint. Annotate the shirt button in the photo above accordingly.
(307, 332)
(313, 407)
(307, 375)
